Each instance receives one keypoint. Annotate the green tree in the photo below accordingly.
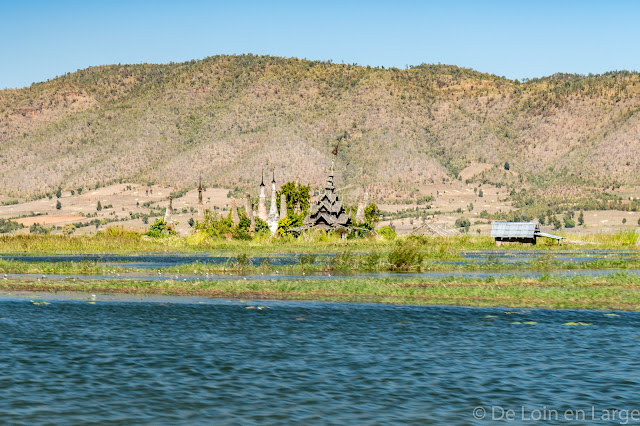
(463, 222)
(295, 195)
(292, 220)
(99, 207)
(387, 232)
(372, 214)
(261, 226)
(581, 218)
(36, 228)
(159, 228)
(58, 205)
(59, 192)
(506, 165)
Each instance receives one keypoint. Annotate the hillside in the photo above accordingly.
(229, 117)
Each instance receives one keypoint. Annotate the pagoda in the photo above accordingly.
(328, 212)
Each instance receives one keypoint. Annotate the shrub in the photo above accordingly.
(160, 228)
(36, 228)
(68, 229)
(9, 226)
(387, 232)
(406, 255)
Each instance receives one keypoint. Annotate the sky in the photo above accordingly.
(517, 39)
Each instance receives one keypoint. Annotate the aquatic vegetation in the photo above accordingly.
(559, 292)
(406, 255)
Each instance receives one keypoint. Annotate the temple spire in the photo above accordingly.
(249, 211)
(234, 212)
(168, 214)
(273, 209)
(200, 203)
(262, 201)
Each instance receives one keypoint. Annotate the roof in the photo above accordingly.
(544, 234)
(513, 229)
(519, 230)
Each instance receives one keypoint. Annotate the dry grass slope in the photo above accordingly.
(230, 116)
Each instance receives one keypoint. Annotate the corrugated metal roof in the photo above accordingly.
(513, 229)
(544, 234)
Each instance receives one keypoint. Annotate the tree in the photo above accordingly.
(160, 228)
(36, 228)
(463, 222)
(372, 214)
(506, 165)
(68, 229)
(295, 195)
(191, 222)
(58, 205)
(99, 208)
(261, 225)
(59, 192)
(581, 218)
(480, 193)
(624, 220)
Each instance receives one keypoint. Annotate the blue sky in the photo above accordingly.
(41, 40)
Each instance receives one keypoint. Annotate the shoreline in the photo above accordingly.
(620, 292)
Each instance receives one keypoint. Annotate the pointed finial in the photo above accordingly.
(200, 182)
(262, 183)
(335, 150)
(274, 175)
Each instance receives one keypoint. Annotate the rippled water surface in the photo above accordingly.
(185, 361)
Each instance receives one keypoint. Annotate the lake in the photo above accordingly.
(196, 360)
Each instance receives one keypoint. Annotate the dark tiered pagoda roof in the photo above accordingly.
(327, 212)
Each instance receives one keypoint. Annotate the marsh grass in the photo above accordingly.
(404, 258)
(619, 291)
(119, 240)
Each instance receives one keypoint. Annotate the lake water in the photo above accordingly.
(188, 360)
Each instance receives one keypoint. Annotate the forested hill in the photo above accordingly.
(229, 117)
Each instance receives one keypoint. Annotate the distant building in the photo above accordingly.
(518, 232)
(328, 212)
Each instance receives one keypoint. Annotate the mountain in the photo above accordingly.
(230, 117)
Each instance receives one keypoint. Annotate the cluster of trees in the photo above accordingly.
(7, 226)
(297, 197)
